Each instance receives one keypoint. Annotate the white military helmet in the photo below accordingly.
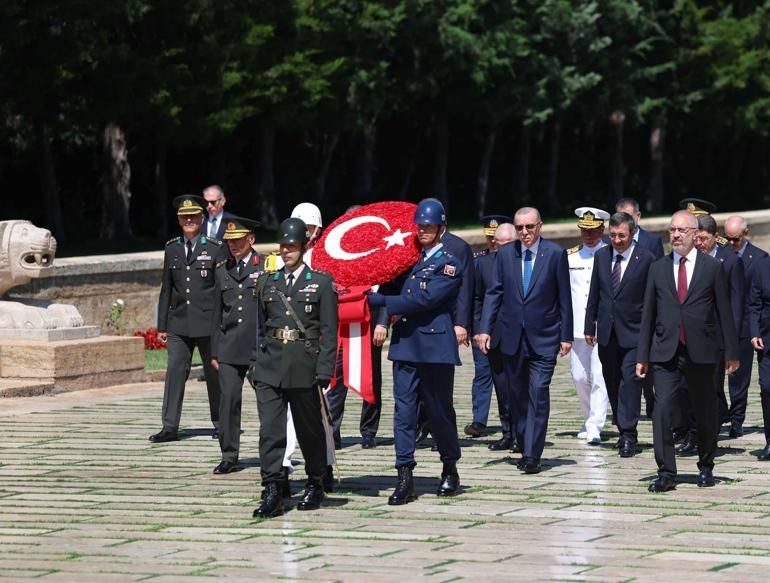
(309, 213)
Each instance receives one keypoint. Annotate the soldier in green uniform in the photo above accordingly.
(233, 338)
(184, 312)
(294, 362)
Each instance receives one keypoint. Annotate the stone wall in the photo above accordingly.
(93, 283)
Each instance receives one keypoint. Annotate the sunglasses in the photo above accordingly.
(529, 227)
(213, 202)
(734, 239)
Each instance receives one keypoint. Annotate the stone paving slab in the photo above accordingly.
(85, 497)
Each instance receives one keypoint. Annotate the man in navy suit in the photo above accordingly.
(216, 221)
(737, 233)
(531, 297)
(613, 317)
(424, 352)
(759, 324)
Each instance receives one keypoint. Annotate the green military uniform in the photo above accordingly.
(185, 309)
(233, 335)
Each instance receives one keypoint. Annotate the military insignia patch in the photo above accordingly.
(423, 285)
(450, 270)
(308, 308)
(204, 273)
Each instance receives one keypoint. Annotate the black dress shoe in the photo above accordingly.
(764, 455)
(706, 478)
(314, 495)
(475, 429)
(215, 434)
(531, 466)
(328, 482)
(628, 449)
(450, 481)
(521, 463)
(423, 431)
(404, 492)
(163, 436)
(272, 502)
(679, 436)
(619, 443)
(226, 467)
(502, 444)
(736, 430)
(662, 485)
(687, 448)
(434, 446)
(368, 442)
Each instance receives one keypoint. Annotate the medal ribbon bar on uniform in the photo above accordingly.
(355, 340)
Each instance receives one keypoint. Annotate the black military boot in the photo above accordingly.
(404, 492)
(450, 481)
(272, 502)
(285, 484)
(329, 479)
(314, 494)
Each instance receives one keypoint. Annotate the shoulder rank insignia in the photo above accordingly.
(223, 262)
(481, 253)
(449, 270)
(574, 249)
(722, 241)
(174, 240)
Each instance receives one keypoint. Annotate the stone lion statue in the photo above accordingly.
(27, 252)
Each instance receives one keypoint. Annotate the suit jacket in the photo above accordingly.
(759, 302)
(646, 240)
(186, 297)
(545, 311)
(485, 265)
(706, 303)
(457, 247)
(424, 305)
(296, 364)
(222, 224)
(234, 325)
(736, 282)
(622, 310)
(751, 256)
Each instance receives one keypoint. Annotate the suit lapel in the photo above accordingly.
(670, 275)
(633, 262)
(696, 275)
(517, 267)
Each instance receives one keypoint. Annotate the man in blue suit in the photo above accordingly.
(613, 316)
(216, 219)
(737, 233)
(531, 297)
(424, 352)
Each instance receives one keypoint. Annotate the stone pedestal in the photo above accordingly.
(30, 367)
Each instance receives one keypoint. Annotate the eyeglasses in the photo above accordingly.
(681, 230)
(734, 239)
(213, 202)
(529, 227)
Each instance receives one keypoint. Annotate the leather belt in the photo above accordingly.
(288, 335)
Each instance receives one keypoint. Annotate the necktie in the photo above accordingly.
(212, 228)
(289, 283)
(241, 265)
(189, 251)
(681, 291)
(527, 270)
(616, 273)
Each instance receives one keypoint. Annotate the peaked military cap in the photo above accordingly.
(239, 227)
(590, 217)
(698, 206)
(491, 222)
(189, 204)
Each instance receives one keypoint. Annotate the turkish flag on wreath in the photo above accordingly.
(363, 248)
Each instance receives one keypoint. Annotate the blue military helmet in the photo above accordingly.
(430, 211)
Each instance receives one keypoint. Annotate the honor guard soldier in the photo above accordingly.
(585, 366)
(297, 322)
(424, 353)
(233, 334)
(481, 388)
(184, 312)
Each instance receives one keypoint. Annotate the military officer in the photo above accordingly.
(424, 352)
(233, 338)
(297, 317)
(184, 312)
(585, 366)
(481, 387)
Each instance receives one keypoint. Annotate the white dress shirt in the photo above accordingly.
(688, 266)
(626, 257)
(534, 248)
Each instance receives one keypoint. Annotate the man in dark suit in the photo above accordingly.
(184, 312)
(613, 317)
(737, 233)
(759, 324)
(686, 296)
(531, 297)
(216, 220)
(233, 340)
(646, 240)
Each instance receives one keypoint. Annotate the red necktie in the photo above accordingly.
(681, 291)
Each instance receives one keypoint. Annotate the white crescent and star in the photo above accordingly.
(333, 243)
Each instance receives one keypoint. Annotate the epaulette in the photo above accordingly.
(481, 253)
(215, 241)
(223, 262)
(722, 241)
(321, 271)
(574, 249)
(271, 262)
(172, 241)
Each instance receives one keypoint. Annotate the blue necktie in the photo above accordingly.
(527, 270)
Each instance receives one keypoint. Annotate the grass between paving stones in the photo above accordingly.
(158, 359)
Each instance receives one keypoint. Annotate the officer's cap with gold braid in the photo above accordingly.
(189, 204)
(590, 217)
(491, 222)
(698, 206)
(239, 227)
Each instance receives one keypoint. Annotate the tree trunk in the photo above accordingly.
(482, 183)
(266, 180)
(411, 165)
(115, 184)
(328, 147)
(551, 199)
(48, 183)
(441, 159)
(655, 188)
(160, 187)
(617, 169)
(365, 173)
(521, 177)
